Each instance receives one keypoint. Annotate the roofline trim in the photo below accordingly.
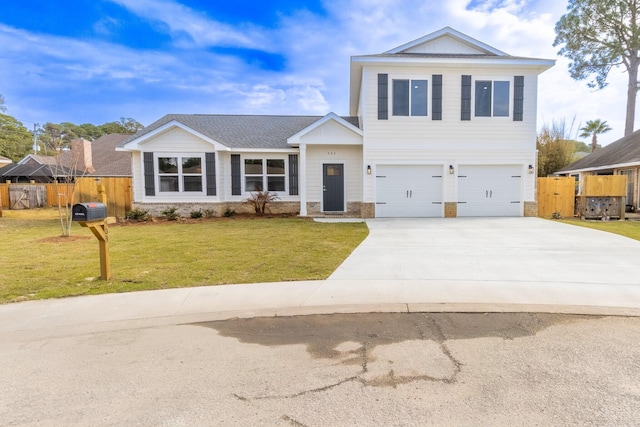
(597, 168)
(295, 139)
(134, 144)
(450, 32)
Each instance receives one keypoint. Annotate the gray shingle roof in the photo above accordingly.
(241, 131)
(106, 160)
(623, 151)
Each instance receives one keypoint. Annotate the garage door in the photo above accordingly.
(490, 190)
(404, 191)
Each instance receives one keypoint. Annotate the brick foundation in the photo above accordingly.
(530, 208)
(450, 209)
(218, 209)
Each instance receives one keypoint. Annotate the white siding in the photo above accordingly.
(176, 140)
(331, 132)
(445, 45)
(450, 141)
(350, 156)
(137, 176)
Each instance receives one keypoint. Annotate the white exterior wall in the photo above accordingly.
(350, 156)
(450, 141)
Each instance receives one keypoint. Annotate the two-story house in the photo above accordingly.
(443, 126)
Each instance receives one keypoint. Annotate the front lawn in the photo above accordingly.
(37, 264)
(629, 229)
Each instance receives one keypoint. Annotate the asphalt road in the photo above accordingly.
(331, 370)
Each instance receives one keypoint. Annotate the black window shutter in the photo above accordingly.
(518, 98)
(465, 106)
(383, 96)
(293, 174)
(236, 177)
(149, 178)
(436, 97)
(210, 162)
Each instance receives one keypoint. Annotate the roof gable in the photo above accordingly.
(447, 41)
(331, 127)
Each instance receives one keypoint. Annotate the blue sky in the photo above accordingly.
(96, 61)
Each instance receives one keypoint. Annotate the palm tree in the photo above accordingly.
(592, 129)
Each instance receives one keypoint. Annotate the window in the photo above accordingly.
(180, 174)
(409, 97)
(258, 172)
(492, 98)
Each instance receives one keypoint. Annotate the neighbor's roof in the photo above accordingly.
(106, 160)
(623, 152)
(240, 131)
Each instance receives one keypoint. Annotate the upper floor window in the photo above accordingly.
(410, 97)
(492, 98)
(180, 173)
(264, 175)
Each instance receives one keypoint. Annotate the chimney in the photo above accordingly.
(81, 155)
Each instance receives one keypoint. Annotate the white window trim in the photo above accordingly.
(264, 158)
(428, 78)
(180, 192)
(492, 79)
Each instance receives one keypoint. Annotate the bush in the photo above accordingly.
(171, 214)
(138, 215)
(197, 214)
(259, 200)
(229, 213)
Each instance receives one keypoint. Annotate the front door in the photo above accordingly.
(333, 187)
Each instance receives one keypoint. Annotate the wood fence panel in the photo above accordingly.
(118, 191)
(4, 196)
(556, 196)
(605, 185)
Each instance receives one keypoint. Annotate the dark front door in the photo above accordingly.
(333, 187)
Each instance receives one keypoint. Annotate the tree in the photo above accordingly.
(598, 35)
(592, 129)
(15, 139)
(555, 149)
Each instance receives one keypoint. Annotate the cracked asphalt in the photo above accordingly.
(453, 369)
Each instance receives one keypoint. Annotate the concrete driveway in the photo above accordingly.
(493, 251)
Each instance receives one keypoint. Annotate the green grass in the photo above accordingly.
(37, 264)
(630, 229)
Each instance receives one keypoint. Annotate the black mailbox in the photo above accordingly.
(91, 211)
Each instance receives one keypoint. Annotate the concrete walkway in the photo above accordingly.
(475, 264)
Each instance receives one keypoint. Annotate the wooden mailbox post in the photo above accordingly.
(94, 216)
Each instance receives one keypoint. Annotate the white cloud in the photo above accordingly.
(189, 78)
(200, 30)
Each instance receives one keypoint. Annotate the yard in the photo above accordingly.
(38, 264)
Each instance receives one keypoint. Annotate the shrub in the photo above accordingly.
(138, 215)
(171, 214)
(259, 200)
(197, 214)
(229, 212)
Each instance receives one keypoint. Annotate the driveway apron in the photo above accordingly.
(492, 250)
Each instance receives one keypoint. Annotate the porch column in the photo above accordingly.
(302, 180)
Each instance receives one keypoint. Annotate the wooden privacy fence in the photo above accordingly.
(29, 196)
(556, 196)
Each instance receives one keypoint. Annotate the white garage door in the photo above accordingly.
(404, 191)
(490, 190)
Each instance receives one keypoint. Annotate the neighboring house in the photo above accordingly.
(621, 157)
(97, 158)
(443, 126)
